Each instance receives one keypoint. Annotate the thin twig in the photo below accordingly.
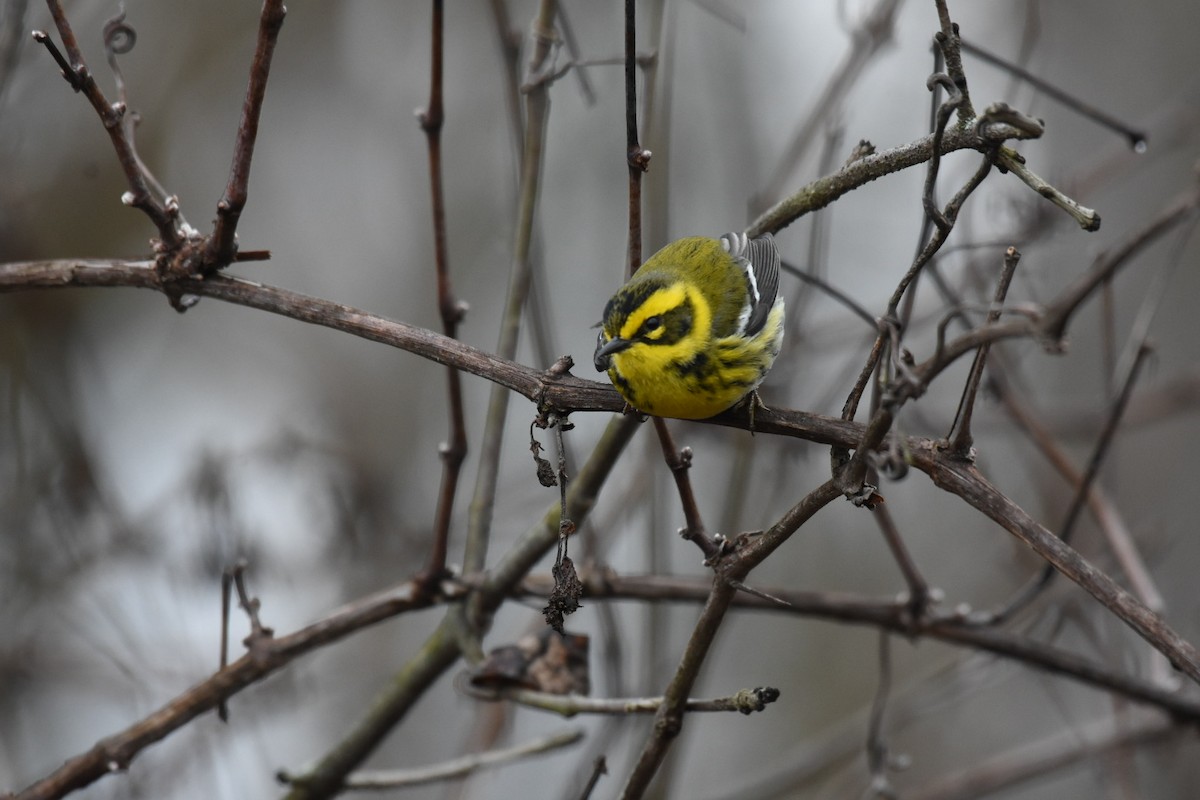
(965, 481)
(826, 190)
(119, 39)
(636, 157)
(680, 462)
(1107, 516)
(223, 661)
(827, 288)
(949, 42)
(926, 231)
(1136, 138)
(454, 451)
(568, 34)
(456, 767)
(669, 719)
(877, 749)
(222, 245)
(599, 770)
(1096, 741)
(510, 51)
(1009, 160)
(867, 40)
(918, 588)
(959, 439)
(75, 71)
(638, 161)
(536, 111)
(1035, 587)
(746, 701)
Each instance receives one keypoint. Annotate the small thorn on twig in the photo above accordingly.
(741, 587)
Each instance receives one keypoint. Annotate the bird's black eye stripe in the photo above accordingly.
(626, 301)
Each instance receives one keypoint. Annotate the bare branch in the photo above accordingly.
(536, 114)
(669, 719)
(223, 244)
(891, 615)
(77, 74)
(959, 439)
(826, 190)
(1136, 138)
(115, 753)
(456, 767)
(746, 701)
(454, 451)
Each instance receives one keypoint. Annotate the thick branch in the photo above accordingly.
(826, 190)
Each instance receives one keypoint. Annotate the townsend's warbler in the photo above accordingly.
(696, 328)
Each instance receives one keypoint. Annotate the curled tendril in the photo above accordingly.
(941, 79)
(119, 37)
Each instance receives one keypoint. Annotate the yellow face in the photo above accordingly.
(652, 345)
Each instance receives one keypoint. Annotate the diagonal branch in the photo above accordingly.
(75, 71)
(825, 190)
(668, 721)
(966, 482)
(222, 246)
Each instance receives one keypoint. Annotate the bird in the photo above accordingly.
(696, 327)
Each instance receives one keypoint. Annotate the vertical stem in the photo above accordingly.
(679, 462)
(454, 451)
(918, 588)
(951, 47)
(536, 109)
(960, 438)
(637, 158)
(223, 244)
(877, 750)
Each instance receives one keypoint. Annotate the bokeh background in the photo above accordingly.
(143, 451)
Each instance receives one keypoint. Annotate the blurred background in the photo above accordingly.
(143, 451)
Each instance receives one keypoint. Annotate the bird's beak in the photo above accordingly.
(605, 350)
